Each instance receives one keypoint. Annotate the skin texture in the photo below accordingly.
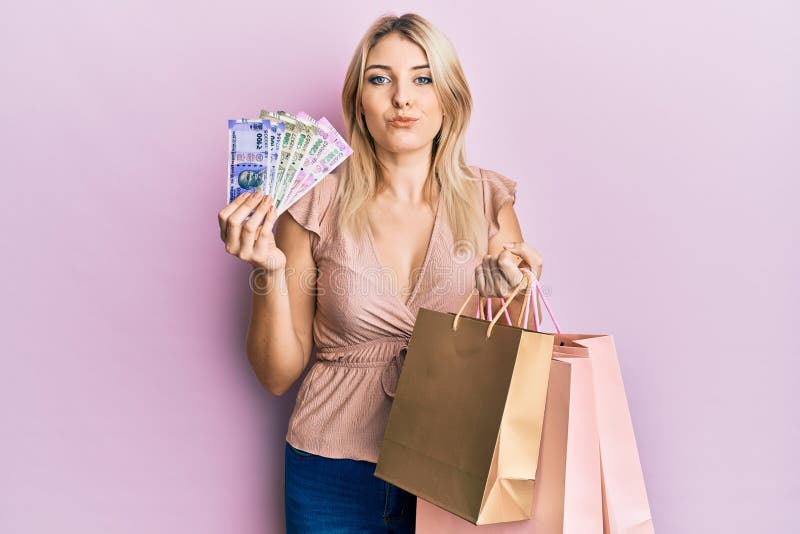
(279, 337)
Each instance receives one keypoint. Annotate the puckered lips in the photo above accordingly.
(403, 121)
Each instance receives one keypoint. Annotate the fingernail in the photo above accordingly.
(508, 245)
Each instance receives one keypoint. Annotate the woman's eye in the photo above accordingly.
(383, 80)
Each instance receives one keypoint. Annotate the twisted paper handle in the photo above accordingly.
(504, 310)
(531, 285)
(531, 294)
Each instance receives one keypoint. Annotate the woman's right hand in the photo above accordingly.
(252, 241)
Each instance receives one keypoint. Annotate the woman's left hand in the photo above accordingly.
(497, 276)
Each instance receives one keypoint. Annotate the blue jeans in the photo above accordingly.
(331, 496)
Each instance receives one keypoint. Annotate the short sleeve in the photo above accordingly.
(310, 209)
(498, 191)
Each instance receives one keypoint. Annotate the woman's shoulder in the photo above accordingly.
(494, 184)
(497, 190)
(491, 176)
(311, 208)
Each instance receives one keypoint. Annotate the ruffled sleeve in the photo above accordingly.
(310, 210)
(498, 190)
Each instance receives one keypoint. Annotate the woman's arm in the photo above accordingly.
(279, 336)
(521, 254)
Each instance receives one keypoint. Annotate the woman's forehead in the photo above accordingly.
(396, 52)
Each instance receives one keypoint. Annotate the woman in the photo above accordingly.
(403, 224)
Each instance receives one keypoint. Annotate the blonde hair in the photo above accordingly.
(361, 173)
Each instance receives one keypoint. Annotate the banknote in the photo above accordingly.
(317, 147)
(247, 157)
(292, 131)
(274, 140)
(281, 154)
(336, 150)
(304, 132)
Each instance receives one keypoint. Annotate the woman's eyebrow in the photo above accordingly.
(386, 67)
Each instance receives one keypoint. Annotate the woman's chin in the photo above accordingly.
(406, 145)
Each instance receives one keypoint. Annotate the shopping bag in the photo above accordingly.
(567, 494)
(465, 425)
(624, 505)
(626, 509)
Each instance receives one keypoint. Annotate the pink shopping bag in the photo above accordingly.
(625, 503)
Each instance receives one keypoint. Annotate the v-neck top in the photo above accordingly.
(361, 325)
(418, 271)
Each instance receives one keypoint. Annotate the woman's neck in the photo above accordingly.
(405, 175)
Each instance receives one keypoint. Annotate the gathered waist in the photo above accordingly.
(386, 353)
(348, 363)
(371, 353)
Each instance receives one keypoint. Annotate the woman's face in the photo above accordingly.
(397, 84)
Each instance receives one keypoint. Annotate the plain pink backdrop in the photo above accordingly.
(655, 145)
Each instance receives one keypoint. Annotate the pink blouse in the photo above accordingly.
(361, 325)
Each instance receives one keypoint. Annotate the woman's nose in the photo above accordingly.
(401, 97)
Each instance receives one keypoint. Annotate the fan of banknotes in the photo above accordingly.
(281, 155)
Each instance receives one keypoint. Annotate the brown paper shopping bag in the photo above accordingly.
(465, 425)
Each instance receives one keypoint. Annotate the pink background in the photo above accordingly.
(655, 145)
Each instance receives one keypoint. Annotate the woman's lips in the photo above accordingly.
(403, 123)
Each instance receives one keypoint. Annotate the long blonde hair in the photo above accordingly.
(361, 173)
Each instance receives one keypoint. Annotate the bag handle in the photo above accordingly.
(532, 286)
(531, 294)
(479, 309)
(503, 311)
(527, 283)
